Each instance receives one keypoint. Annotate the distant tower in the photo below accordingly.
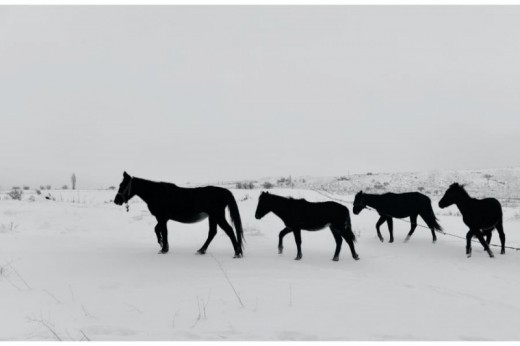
(73, 181)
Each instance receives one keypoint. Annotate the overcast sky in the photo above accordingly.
(219, 93)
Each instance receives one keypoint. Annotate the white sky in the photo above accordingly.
(218, 93)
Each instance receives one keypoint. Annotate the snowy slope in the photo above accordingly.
(91, 270)
(498, 182)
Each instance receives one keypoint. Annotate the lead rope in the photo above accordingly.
(128, 195)
(326, 194)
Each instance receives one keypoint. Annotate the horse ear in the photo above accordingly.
(126, 175)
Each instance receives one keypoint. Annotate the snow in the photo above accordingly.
(91, 270)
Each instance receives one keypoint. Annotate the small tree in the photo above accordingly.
(64, 187)
(73, 181)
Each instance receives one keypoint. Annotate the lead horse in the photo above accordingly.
(298, 215)
(167, 201)
(399, 205)
(480, 215)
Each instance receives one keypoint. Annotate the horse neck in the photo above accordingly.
(143, 189)
(278, 206)
(372, 200)
(463, 202)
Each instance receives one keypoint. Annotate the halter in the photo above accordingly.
(126, 191)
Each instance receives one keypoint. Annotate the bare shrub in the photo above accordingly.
(16, 193)
(246, 185)
(267, 185)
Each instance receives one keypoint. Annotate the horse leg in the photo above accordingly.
(282, 234)
(381, 221)
(390, 223)
(469, 236)
(211, 234)
(488, 235)
(298, 240)
(502, 235)
(339, 240)
(222, 222)
(413, 221)
(164, 236)
(158, 234)
(480, 238)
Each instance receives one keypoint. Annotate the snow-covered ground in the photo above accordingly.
(91, 270)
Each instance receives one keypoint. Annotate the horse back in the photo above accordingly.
(402, 205)
(317, 215)
(178, 202)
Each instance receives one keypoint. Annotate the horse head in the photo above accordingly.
(359, 203)
(262, 208)
(452, 195)
(125, 193)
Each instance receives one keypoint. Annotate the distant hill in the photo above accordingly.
(499, 183)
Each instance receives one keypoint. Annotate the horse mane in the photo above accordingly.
(155, 183)
(285, 198)
(460, 188)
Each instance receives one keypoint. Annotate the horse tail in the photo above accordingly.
(235, 218)
(348, 228)
(430, 218)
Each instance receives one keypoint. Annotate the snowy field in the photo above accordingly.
(90, 270)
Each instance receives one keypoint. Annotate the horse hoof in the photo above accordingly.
(200, 252)
(434, 241)
(238, 255)
(503, 252)
(490, 253)
(280, 250)
(356, 258)
(391, 241)
(406, 239)
(335, 259)
(298, 258)
(162, 252)
(381, 239)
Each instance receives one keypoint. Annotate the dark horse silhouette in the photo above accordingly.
(187, 205)
(298, 215)
(399, 205)
(480, 215)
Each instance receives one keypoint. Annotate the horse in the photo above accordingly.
(398, 205)
(480, 215)
(167, 201)
(299, 214)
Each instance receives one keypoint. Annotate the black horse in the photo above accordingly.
(399, 205)
(480, 215)
(187, 205)
(298, 215)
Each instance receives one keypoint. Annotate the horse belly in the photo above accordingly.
(316, 227)
(190, 218)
